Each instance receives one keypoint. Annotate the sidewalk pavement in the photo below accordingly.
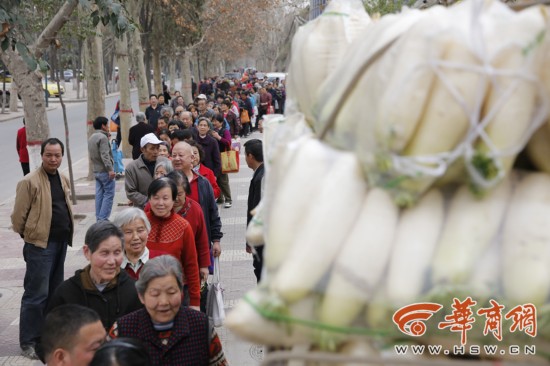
(237, 275)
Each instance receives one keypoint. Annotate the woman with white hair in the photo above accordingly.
(171, 333)
(162, 168)
(136, 227)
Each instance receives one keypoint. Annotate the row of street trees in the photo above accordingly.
(196, 37)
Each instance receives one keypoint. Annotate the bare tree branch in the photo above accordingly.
(49, 33)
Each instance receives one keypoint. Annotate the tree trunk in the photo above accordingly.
(13, 100)
(32, 94)
(198, 72)
(125, 111)
(136, 56)
(156, 71)
(172, 73)
(95, 83)
(56, 69)
(195, 66)
(186, 77)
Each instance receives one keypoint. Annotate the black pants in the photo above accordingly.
(258, 262)
(26, 168)
(261, 114)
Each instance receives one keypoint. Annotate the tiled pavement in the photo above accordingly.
(236, 265)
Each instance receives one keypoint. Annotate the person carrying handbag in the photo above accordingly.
(246, 112)
(222, 135)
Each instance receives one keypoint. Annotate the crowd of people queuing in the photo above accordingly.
(144, 287)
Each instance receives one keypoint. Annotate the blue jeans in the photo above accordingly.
(44, 273)
(104, 195)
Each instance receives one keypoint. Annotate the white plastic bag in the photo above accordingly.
(214, 300)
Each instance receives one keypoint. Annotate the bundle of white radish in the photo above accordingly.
(516, 104)
(442, 90)
(319, 46)
(405, 194)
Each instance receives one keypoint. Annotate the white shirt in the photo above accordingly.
(140, 262)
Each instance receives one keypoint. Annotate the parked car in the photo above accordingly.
(273, 76)
(52, 90)
(232, 75)
(260, 76)
(5, 76)
(68, 75)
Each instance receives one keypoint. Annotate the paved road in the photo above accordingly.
(76, 115)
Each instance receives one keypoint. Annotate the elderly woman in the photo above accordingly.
(210, 146)
(192, 212)
(171, 333)
(101, 285)
(162, 168)
(172, 234)
(136, 227)
(201, 169)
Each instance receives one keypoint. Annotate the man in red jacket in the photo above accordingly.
(21, 145)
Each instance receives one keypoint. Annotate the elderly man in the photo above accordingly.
(202, 106)
(140, 172)
(141, 129)
(201, 192)
(72, 333)
(42, 216)
(187, 119)
(101, 155)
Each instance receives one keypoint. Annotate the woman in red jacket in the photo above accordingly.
(172, 234)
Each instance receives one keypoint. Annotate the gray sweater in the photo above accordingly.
(100, 152)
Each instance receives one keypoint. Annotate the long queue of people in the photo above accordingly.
(166, 241)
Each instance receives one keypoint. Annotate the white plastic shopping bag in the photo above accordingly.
(214, 300)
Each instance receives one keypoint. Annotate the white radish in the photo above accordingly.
(255, 229)
(512, 99)
(485, 280)
(538, 149)
(344, 92)
(356, 348)
(327, 222)
(410, 81)
(247, 322)
(469, 229)
(320, 45)
(526, 242)
(416, 238)
(362, 260)
(293, 198)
